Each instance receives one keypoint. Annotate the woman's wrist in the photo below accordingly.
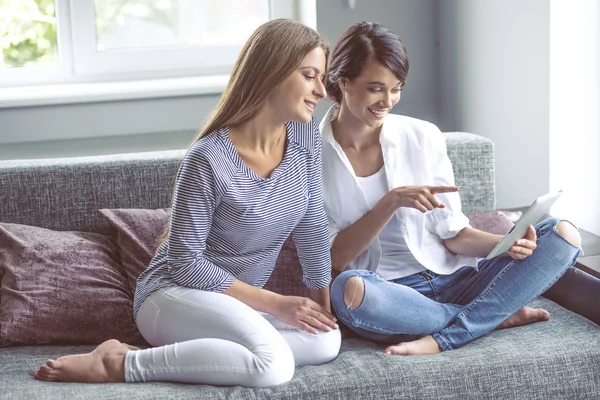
(272, 302)
(389, 203)
(321, 297)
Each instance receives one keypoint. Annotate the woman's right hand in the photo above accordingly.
(303, 313)
(420, 197)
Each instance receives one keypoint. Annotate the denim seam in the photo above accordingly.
(457, 285)
(375, 328)
(444, 345)
(467, 309)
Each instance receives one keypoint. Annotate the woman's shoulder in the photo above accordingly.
(413, 129)
(404, 122)
(210, 153)
(211, 146)
(306, 135)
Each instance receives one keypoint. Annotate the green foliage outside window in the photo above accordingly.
(28, 27)
(27, 33)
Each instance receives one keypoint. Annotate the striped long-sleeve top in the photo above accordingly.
(229, 223)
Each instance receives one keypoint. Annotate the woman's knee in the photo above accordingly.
(275, 368)
(354, 292)
(569, 232)
(350, 285)
(322, 348)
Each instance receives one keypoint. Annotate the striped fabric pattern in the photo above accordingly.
(229, 223)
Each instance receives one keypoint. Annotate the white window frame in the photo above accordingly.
(84, 74)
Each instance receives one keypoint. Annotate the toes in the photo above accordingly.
(40, 377)
(54, 364)
(537, 314)
(45, 369)
(544, 315)
(398, 350)
(44, 374)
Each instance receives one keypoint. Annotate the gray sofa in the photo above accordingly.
(559, 359)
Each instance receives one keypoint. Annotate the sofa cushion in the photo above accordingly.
(62, 287)
(495, 221)
(557, 359)
(137, 233)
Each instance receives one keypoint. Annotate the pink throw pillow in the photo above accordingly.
(62, 288)
(137, 233)
(496, 221)
(286, 278)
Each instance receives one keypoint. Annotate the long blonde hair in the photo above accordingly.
(271, 54)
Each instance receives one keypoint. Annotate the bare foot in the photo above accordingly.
(104, 364)
(525, 316)
(424, 346)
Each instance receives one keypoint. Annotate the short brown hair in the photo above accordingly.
(360, 43)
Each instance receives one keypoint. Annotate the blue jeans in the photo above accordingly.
(458, 308)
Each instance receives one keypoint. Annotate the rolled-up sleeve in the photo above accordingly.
(194, 202)
(448, 221)
(311, 235)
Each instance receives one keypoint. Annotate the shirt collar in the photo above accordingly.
(325, 125)
(386, 138)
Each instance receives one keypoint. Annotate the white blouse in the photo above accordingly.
(414, 153)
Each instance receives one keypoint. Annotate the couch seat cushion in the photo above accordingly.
(558, 359)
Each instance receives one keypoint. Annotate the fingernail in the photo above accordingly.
(335, 326)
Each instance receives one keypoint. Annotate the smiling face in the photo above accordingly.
(371, 95)
(295, 99)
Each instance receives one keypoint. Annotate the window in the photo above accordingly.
(62, 41)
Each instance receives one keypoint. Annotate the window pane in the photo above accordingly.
(27, 33)
(143, 23)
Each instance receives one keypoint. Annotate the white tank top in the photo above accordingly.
(396, 259)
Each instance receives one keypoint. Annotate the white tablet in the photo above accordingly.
(533, 215)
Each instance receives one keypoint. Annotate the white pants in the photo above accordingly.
(212, 338)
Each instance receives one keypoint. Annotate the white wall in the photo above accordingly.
(526, 74)
(145, 125)
(495, 72)
(575, 110)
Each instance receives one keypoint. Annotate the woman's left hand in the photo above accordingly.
(525, 246)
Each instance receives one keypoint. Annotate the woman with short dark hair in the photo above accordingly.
(413, 274)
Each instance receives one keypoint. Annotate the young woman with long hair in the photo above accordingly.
(250, 179)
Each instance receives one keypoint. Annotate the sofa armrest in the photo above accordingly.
(473, 161)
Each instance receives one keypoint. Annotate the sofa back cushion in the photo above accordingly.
(62, 287)
(66, 193)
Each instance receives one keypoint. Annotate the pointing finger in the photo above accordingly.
(443, 189)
